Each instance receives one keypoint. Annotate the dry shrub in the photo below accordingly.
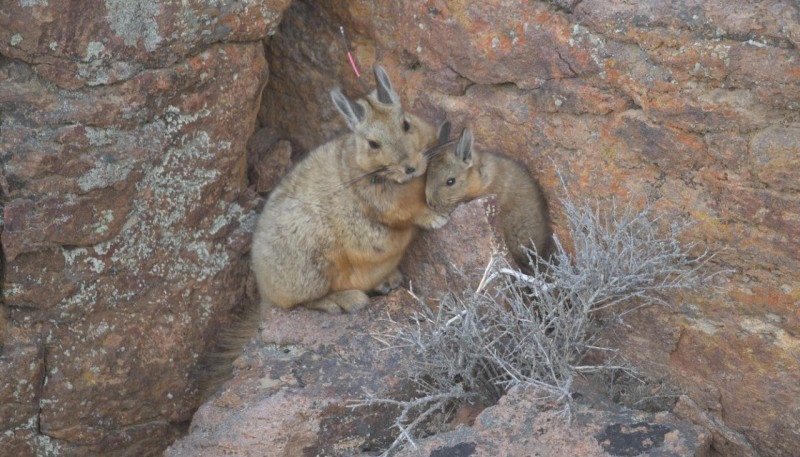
(520, 330)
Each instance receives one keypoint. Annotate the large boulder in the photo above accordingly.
(126, 215)
(520, 425)
(693, 102)
(297, 384)
(126, 209)
(299, 379)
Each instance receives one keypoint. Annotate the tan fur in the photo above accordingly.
(523, 207)
(338, 224)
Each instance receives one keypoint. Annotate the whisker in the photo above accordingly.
(436, 150)
(355, 179)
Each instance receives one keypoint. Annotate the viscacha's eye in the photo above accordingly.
(406, 126)
(451, 181)
(374, 144)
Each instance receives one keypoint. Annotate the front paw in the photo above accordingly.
(436, 221)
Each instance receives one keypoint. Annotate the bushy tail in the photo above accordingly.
(216, 366)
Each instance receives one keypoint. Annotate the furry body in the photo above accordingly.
(460, 173)
(337, 225)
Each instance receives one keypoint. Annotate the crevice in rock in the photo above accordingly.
(726, 441)
(4, 317)
(3, 197)
(565, 6)
(469, 81)
(41, 386)
(566, 62)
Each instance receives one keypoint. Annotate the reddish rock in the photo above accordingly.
(268, 160)
(521, 425)
(294, 386)
(693, 102)
(297, 382)
(21, 383)
(127, 214)
(120, 39)
(455, 257)
(126, 218)
(300, 377)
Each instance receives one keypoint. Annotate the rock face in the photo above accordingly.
(298, 380)
(294, 388)
(295, 385)
(126, 215)
(520, 426)
(126, 209)
(694, 102)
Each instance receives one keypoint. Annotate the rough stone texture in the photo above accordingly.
(126, 215)
(695, 102)
(519, 426)
(292, 388)
(298, 379)
(456, 257)
(126, 211)
(268, 160)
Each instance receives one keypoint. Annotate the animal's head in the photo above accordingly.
(452, 172)
(389, 142)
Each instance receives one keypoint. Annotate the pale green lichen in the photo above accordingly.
(234, 213)
(95, 264)
(102, 248)
(15, 39)
(102, 226)
(135, 21)
(84, 299)
(177, 189)
(104, 174)
(14, 289)
(21, 388)
(100, 329)
(71, 254)
(93, 50)
(175, 120)
(582, 36)
(43, 445)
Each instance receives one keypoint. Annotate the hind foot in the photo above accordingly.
(392, 282)
(348, 301)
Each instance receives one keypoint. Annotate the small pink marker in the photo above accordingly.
(352, 59)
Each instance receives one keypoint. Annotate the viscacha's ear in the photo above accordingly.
(352, 111)
(443, 136)
(464, 147)
(386, 94)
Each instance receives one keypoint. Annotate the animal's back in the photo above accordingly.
(297, 225)
(523, 209)
(460, 173)
(330, 232)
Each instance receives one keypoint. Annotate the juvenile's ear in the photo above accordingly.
(352, 111)
(464, 147)
(444, 133)
(386, 94)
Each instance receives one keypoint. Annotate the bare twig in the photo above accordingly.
(535, 330)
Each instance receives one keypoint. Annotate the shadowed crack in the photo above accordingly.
(566, 62)
(566, 6)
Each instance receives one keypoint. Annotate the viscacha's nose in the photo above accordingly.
(410, 170)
